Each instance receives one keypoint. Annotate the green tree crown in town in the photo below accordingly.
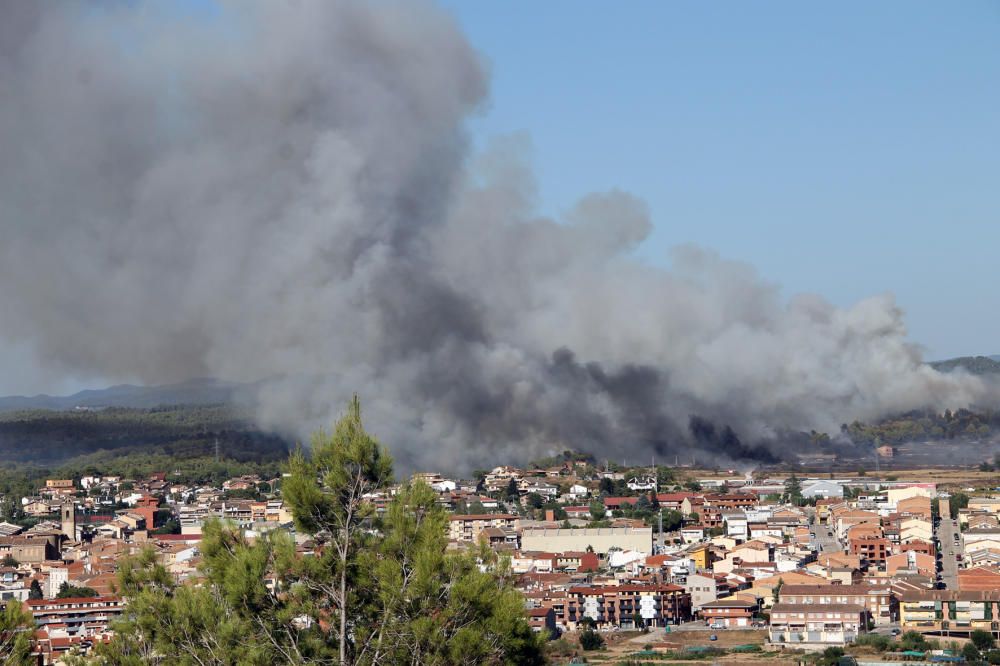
(372, 589)
(16, 627)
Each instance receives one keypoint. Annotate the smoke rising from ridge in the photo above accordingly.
(286, 191)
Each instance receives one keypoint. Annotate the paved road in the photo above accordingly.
(824, 541)
(947, 529)
(891, 629)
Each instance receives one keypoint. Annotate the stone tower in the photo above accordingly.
(69, 521)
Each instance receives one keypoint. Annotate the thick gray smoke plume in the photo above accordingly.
(285, 191)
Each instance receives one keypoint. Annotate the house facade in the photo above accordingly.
(804, 625)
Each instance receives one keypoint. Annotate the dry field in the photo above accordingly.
(623, 644)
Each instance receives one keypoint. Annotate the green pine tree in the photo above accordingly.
(375, 590)
(16, 627)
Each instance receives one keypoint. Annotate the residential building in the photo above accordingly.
(919, 505)
(873, 549)
(730, 612)
(911, 563)
(79, 615)
(876, 599)
(705, 588)
(954, 611)
(642, 484)
(543, 620)
(918, 546)
(987, 504)
(701, 555)
(736, 524)
(599, 540)
(466, 527)
(58, 576)
(979, 579)
(915, 529)
(907, 490)
(808, 625)
(499, 478)
(618, 605)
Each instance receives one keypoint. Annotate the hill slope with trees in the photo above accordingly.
(976, 365)
(53, 437)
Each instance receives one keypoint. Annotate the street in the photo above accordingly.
(824, 541)
(947, 529)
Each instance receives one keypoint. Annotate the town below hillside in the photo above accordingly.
(613, 563)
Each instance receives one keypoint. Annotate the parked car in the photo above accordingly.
(717, 625)
(713, 637)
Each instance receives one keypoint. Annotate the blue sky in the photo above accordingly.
(845, 149)
(842, 148)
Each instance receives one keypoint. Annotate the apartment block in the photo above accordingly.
(467, 527)
(623, 605)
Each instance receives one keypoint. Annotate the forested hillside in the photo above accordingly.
(924, 425)
(51, 437)
(977, 365)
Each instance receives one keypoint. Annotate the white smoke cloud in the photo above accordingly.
(286, 192)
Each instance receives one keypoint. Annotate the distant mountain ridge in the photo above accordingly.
(192, 392)
(977, 365)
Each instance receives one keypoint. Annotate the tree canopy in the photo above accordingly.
(793, 491)
(16, 627)
(67, 591)
(373, 589)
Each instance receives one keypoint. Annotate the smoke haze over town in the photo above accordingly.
(292, 195)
